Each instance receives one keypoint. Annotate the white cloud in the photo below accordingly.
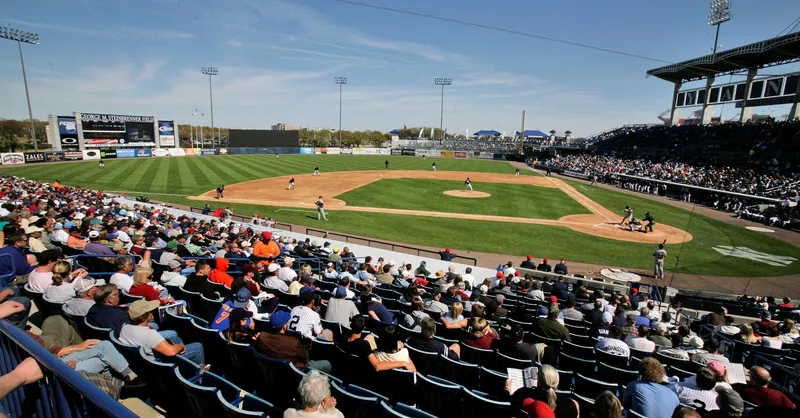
(117, 32)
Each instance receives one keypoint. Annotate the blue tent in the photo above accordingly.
(487, 133)
(395, 132)
(535, 134)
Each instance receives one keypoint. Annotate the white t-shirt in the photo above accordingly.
(60, 235)
(60, 294)
(39, 282)
(639, 343)
(123, 281)
(401, 355)
(469, 279)
(305, 321)
(287, 274)
(614, 346)
(145, 337)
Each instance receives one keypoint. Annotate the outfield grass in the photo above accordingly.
(525, 201)
(171, 179)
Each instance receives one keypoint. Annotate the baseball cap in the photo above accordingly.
(288, 260)
(729, 400)
(500, 298)
(267, 235)
(716, 367)
(545, 260)
(440, 273)
(330, 264)
(553, 299)
(242, 298)
(32, 229)
(530, 257)
(537, 409)
(341, 292)
(279, 319)
(607, 318)
(336, 249)
(500, 275)
(542, 311)
(58, 225)
(273, 268)
(94, 234)
(484, 288)
(69, 224)
(223, 235)
(696, 342)
(82, 285)
(307, 297)
(172, 245)
(240, 313)
(113, 236)
(141, 307)
(173, 264)
(447, 250)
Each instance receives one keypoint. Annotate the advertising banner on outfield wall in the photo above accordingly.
(143, 152)
(446, 154)
(345, 151)
(177, 152)
(188, 151)
(12, 158)
(34, 157)
(384, 151)
(427, 153)
(333, 151)
(306, 151)
(68, 132)
(459, 154)
(409, 152)
(166, 133)
(109, 153)
(126, 153)
(206, 151)
(91, 155)
(53, 157)
(487, 155)
(73, 155)
(160, 152)
(397, 151)
(318, 151)
(222, 151)
(498, 156)
(358, 151)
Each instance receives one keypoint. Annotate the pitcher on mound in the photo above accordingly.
(468, 184)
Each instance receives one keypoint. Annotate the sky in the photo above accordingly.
(277, 60)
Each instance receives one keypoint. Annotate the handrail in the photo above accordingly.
(61, 393)
(393, 246)
(243, 219)
(76, 264)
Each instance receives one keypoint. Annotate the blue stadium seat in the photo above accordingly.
(611, 359)
(251, 406)
(182, 324)
(93, 332)
(615, 374)
(477, 356)
(424, 361)
(578, 351)
(126, 298)
(201, 393)
(633, 414)
(241, 366)
(438, 396)
(458, 372)
(590, 388)
(476, 406)
(215, 349)
(162, 383)
(271, 380)
(493, 383)
(335, 327)
(365, 404)
(408, 411)
(504, 362)
(193, 300)
(210, 308)
(399, 385)
(565, 380)
(322, 350)
(408, 332)
(48, 308)
(585, 404)
(577, 365)
(130, 352)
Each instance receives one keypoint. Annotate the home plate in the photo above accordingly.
(760, 229)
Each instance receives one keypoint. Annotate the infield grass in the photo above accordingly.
(518, 200)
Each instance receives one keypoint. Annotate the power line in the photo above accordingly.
(787, 30)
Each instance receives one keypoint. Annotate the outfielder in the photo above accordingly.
(433, 166)
(320, 209)
(468, 183)
(316, 171)
(291, 184)
(102, 164)
(658, 261)
(628, 215)
(516, 172)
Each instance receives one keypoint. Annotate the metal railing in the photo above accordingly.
(784, 377)
(391, 246)
(97, 257)
(244, 219)
(61, 393)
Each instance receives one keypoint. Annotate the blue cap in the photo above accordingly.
(279, 319)
(69, 224)
(242, 298)
(341, 292)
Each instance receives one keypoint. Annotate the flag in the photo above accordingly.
(405, 127)
(431, 133)
(421, 131)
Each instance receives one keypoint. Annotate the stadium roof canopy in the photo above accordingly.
(487, 133)
(535, 134)
(776, 51)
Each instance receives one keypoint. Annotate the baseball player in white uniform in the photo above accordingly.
(468, 183)
(320, 209)
(291, 184)
(316, 171)
(433, 167)
(516, 172)
(628, 215)
(658, 262)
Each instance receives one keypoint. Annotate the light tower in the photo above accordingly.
(209, 71)
(340, 81)
(719, 13)
(29, 38)
(442, 81)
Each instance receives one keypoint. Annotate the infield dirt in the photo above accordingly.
(602, 222)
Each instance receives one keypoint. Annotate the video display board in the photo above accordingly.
(244, 138)
(103, 130)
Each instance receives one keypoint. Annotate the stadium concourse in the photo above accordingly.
(207, 317)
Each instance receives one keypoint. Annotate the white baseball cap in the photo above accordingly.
(273, 267)
(287, 260)
(94, 234)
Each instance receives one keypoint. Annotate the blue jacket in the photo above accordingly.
(18, 265)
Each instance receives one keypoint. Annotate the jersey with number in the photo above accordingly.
(305, 321)
(660, 255)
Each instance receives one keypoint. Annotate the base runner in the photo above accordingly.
(320, 209)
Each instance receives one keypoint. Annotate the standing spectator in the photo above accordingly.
(648, 396)
(266, 250)
(757, 390)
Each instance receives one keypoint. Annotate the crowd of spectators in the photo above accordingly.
(280, 295)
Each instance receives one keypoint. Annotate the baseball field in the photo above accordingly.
(410, 203)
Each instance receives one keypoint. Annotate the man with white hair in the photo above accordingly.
(315, 398)
(84, 297)
(286, 273)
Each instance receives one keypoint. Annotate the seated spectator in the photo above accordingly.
(315, 399)
(454, 318)
(96, 247)
(602, 330)
(644, 318)
(640, 341)
(42, 276)
(764, 323)
(281, 346)
(306, 320)
(545, 392)
(729, 404)
(330, 273)
(139, 333)
(198, 281)
(122, 278)
(513, 345)
(482, 334)
(772, 339)
(430, 344)
(389, 348)
(787, 303)
(613, 344)
(451, 295)
(272, 281)
(173, 276)
(659, 337)
(606, 405)
(550, 327)
(536, 291)
(106, 313)
(376, 310)
(340, 309)
(220, 273)
(569, 310)
(711, 353)
(20, 265)
(85, 290)
(75, 240)
(433, 304)
(357, 343)
(144, 286)
(789, 332)
(384, 276)
(413, 320)
(648, 396)
(528, 263)
(747, 335)
(675, 350)
(544, 266)
(758, 392)
(728, 329)
(561, 268)
(699, 392)
(61, 289)
(239, 300)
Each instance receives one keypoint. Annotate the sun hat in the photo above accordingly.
(141, 307)
(84, 284)
(173, 264)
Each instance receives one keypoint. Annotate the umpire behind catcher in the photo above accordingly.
(650, 222)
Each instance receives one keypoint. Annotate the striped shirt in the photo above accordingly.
(688, 393)
(305, 321)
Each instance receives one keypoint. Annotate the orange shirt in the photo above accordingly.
(270, 250)
(56, 185)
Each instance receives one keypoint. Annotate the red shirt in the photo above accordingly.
(149, 292)
(786, 305)
(763, 396)
(484, 342)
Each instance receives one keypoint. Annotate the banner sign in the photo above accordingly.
(188, 151)
(383, 151)
(345, 151)
(68, 132)
(160, 152)
(323, 150)
(207, 151)
(52, 157)
(222, 151)
(333, 151)
(397, 151)
(166, 133)
(318, 151)
(763, 92)
(446, 154)
(12, 158)
(90, 155)
(487, 155)
(34, 157)
(409, 152)
(459, 154)
(143, 152)
(109, 153)
(117, 130)
(126, 153)
(427, 152)
(306, 151)
(73, 155)
(177, 152)
(358, 151)
(498, 156)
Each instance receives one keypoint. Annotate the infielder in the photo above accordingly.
(220, 189)
(628, 215)
(658, 262)
(291, 184)
(316, 171)
(320, 209)
(516, 172)
(468, 183)
(433, 167)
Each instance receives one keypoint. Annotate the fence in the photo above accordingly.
(62, 393)
(391, 246)
(243, 219)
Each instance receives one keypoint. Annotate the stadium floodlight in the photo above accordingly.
(442, 81)
(21, 37)
(340, 81)
(719, 13)
(209, 71)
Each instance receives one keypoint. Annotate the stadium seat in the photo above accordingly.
(365, 404)
(611, 359)
(590, 388)
(75, 321)
(576, 365)
(322, 350)
(565, 380)
(477, 356)
(633, 414)
(161, 383)
(504, 362)
(214, 348)
(376, 327)
(130, 352)
(288, 299)
(399, 385)
(641, 354)
(438, 396)
(95, 333)
(575, 330)
(126, 298)
(458, 372)
(424, 361)
(583, 340)
(182, 324)
(209, 308)
(526, 326)
(241, 365)
(193, 300)
(476, 406)
(48, 308)
(406, 333)
(408, 411)
(634, 363)
(271, 382)
(585, 404)
(251, 406)
(220, 288)
(335, 327)
(678, 372)
(616, 374)
(493, 383)
(673, 362)
(201, 393)
(578, 351)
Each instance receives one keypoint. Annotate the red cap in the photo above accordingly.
(529, 257)
(447, 250)
(537, 409)
(516, 273)
(545, 259)
(267, 235)
(635, 291)
(500, 275)
(553, 299)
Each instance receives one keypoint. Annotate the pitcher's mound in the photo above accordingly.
(466, 193)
